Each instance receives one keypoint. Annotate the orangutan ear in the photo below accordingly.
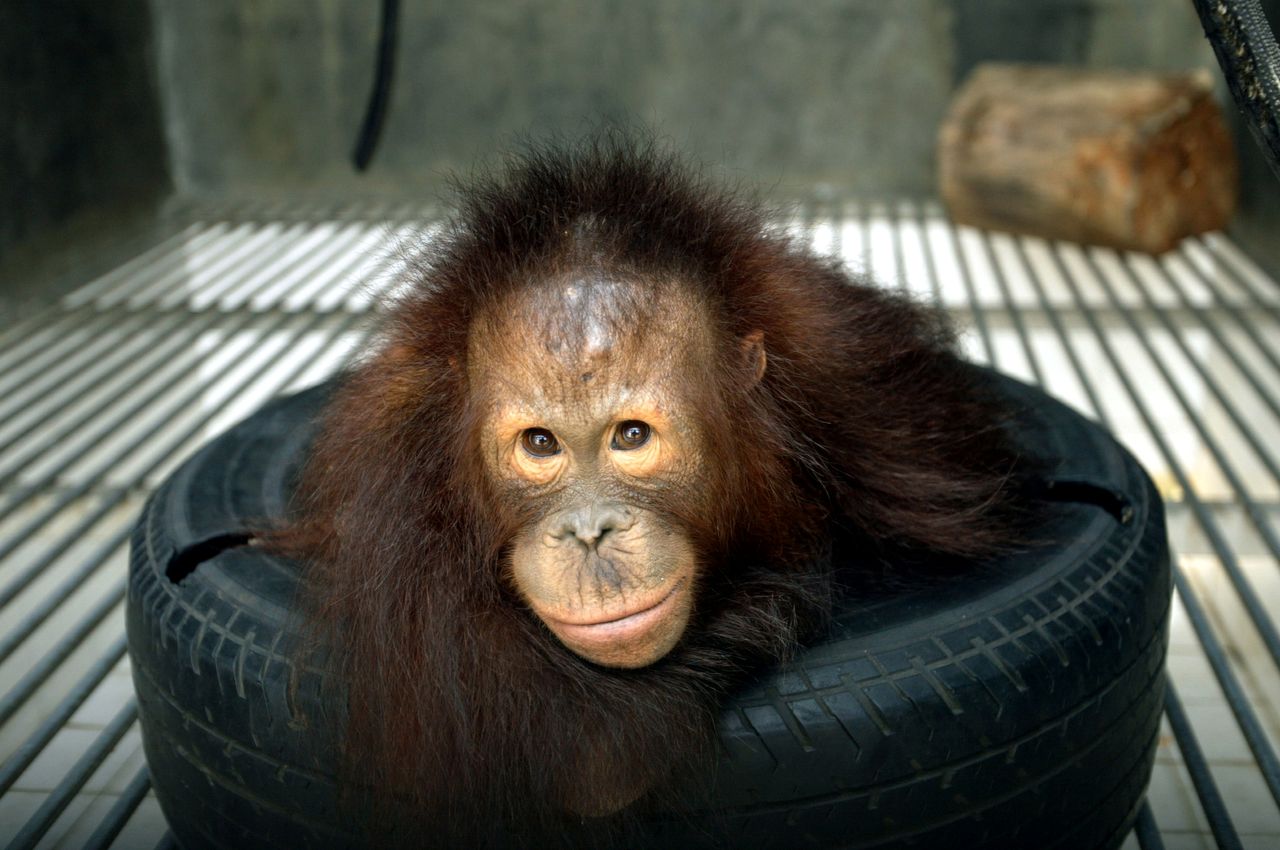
(753, 355)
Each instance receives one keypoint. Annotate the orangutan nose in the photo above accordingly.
(589, 523)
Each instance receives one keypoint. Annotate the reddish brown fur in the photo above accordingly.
(463, 708)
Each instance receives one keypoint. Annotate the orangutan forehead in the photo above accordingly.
(586, 324)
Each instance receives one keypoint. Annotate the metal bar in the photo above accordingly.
(335, 244)
(120, 813)
(1015, 313)
(17, 582)
(1234, 692)
(187, 365)
(243, 280)
(20, 333)
(1241, 320)
(34, 744)
(141, 266)
(54, 342)
(899, 253)
(54, 410)
(807, 224)
(110, 428)
(154, 355)
(877, 220)
(864, 240)
(76, 492)
(25, 333)
(360, 262)
(41, 670)
(149, 275)
(1234, 261)
(1250, 726)
(1187, 742)
(302, 296)
(1246, 430)
(831, 216)
(92, 478)
(930, 262)
(372, 282)
(971, 293)
(270, 248)
(1253, 604)
(298, 290)
(903, 219)
(34, 829)
(1042, 298)
(235, 244)
(853, 244)
(1146, 830)
(37, 614)
(87, 365)
(164, 254)
(1215, 810)
(317, 265)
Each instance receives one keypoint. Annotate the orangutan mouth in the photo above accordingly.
(624, 627)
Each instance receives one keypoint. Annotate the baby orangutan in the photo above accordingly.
(588, 481)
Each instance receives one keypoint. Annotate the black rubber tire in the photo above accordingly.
(1016, 706)
(1247, 50)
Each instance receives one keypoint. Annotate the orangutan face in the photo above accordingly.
(590, 426)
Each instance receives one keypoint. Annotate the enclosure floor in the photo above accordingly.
(102, 394)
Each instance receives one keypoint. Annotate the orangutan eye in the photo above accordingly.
(540, 442)
(631, 434)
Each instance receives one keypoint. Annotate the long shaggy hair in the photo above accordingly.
(467, 720)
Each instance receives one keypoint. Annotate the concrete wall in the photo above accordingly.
(268, 96)
(79, 113)
(263, 97)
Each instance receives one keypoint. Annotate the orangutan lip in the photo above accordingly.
(635, 621)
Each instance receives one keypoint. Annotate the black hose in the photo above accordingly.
(1250, 59)
(375, 114)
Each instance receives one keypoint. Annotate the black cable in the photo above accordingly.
(1250, 59)
(375, 114)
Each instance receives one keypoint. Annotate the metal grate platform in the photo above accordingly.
(105, 392)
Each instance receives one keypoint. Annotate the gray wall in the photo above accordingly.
(79, 114)
(264, 97)
(268, 96)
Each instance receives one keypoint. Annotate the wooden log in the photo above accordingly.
(1130, 160)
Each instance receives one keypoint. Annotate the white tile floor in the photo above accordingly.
(103, 394)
